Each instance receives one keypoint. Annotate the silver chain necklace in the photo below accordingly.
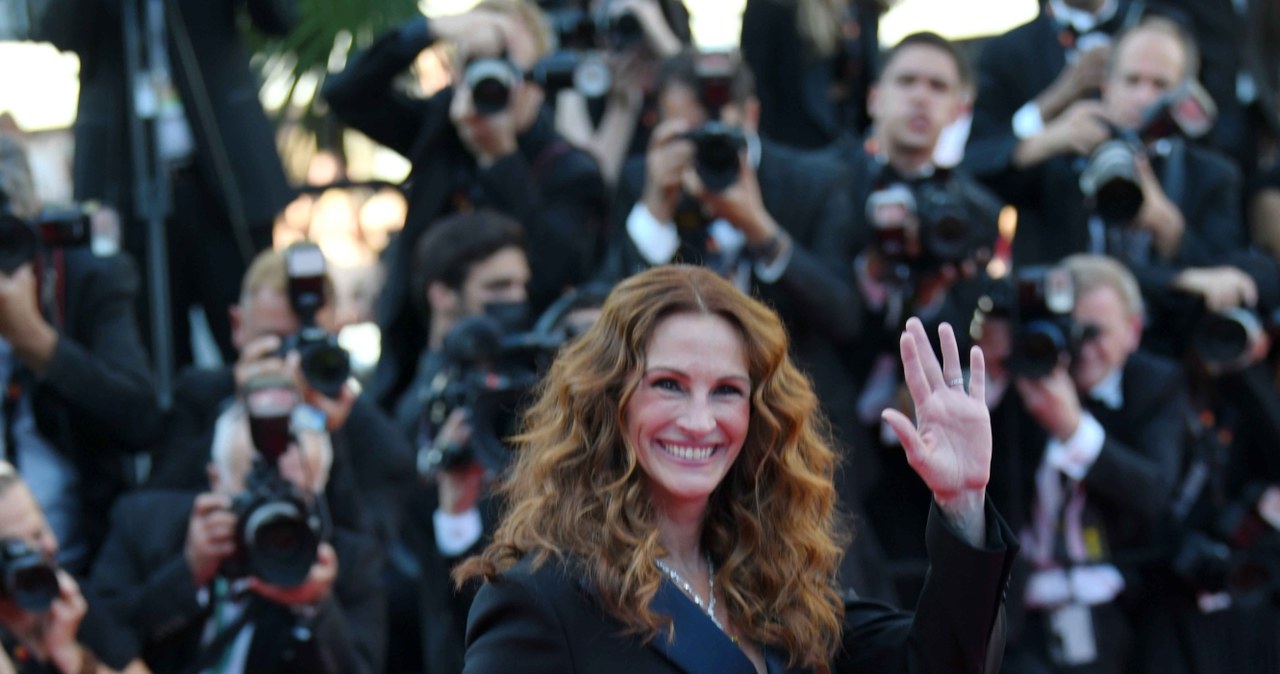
(710, 605)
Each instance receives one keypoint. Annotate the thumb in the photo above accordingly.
(906, 432)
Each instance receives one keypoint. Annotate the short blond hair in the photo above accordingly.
(529, 15)
(1090, 272)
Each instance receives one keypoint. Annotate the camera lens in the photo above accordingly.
(1110, 180)
(280, 542)
(26, 577)
(1039, 349)
(326, 367)
(490, 81)
(716, 148)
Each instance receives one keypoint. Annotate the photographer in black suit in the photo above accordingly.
(1167, 207)
(486, 141)
(467, 267)
(251, 573)
(1089, 447)
(79, 403)
(925, 228)
(45, 617)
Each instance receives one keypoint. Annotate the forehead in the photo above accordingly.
(1101, 303)
(697, 340)
(1151, 49)
(922, 59)
(507, 262)
(268, 311)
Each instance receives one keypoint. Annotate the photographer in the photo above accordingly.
(44, 617)
(1089, 446)
(281, 324)
(467, 266)
(251, 573)
(486, 141)
(636, 36)
(1168, 208)
(1214, 591)
(924, 227)
(79, 401)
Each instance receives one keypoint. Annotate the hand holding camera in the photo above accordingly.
(670, 155)
(311, 591)
(49, 629)
(1158, 214)
(1053, 401)
(210, 536)
(21, 322)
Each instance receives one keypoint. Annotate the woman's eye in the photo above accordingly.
(667, 384)
(729, 390)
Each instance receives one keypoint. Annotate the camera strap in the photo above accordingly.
(1174, 178)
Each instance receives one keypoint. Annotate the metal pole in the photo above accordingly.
(150, 191)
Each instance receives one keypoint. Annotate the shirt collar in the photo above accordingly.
(1081, 20)
(1110, 391)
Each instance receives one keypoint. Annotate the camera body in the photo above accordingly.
(27, 578)
(583, 71)
(21, 240)
(1109, 180)
(1038, 301)
(324, 363)
(923, 226)
(489, 370)
(717, 147)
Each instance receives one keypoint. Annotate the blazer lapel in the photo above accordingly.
(698, 645)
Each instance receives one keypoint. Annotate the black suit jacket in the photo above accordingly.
(95, 402)
(235, 142)
(144, 582)
(548, 619)
(550, 187)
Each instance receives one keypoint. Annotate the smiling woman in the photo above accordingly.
(671, 504)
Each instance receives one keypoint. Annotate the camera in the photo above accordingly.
(1225, 341)
(571, 23)
(1109, 181)
(27, 578)
(715, 156)
(920, 227)
(489, 369)
(585, 72)
(491, 81)
(624, 30)
(21, 240)
(325, 365)
(277, 531)
(1039, 302)
(1234, 551)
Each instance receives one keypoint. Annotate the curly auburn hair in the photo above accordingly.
(576, 493)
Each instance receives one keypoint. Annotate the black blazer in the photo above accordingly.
(144, 582)
(553, 189)
(548, 619)
(95, 402)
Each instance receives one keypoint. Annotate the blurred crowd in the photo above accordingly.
(1092, 197)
